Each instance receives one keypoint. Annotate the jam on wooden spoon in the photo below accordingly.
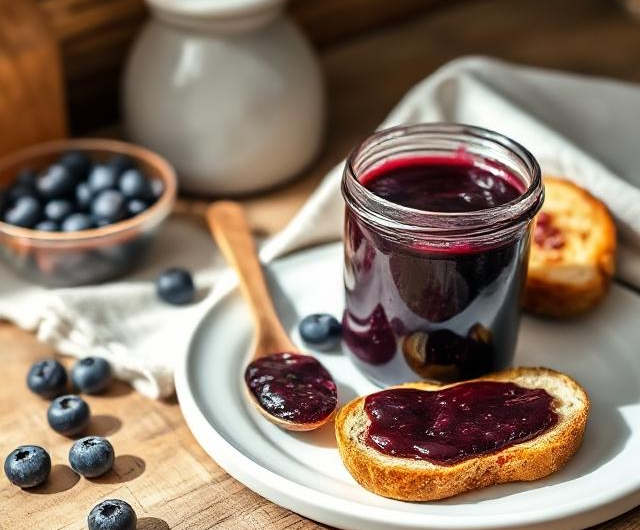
(289, 388)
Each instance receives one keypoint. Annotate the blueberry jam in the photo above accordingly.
(444, 312)
(292, 387)
(459, 422)
(450, 184)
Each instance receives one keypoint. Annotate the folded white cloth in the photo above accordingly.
(122, 321)
(582, 128)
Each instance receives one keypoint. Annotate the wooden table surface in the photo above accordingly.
(160, 469)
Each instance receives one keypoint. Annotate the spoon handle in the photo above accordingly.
(230, 229)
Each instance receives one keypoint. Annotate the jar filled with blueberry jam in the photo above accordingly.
(437, 229)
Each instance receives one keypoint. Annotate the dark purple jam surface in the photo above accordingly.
(444, 313)
(292, 387)
(442, 184)
(460, 422)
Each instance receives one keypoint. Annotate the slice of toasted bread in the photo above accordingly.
(420, 480)
(572, 252)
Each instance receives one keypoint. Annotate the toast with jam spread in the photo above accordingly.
(572, 252)
(423, 442)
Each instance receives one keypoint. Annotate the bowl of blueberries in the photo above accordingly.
(81, 211)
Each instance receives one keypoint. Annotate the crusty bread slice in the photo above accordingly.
(419, 480)
(572, 252)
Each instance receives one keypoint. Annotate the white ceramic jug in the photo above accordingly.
(228, 90)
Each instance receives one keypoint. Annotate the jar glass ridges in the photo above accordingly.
(435, 294)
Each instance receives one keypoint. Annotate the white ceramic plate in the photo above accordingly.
(304, 473)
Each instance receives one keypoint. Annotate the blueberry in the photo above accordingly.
(47, 226)
(121, 163)
(17, 191)
(157, 188)
(134, 185)
(91, 375)
(68, 415)
(77, 162)
(175, 286)
(77, 222)
(25, 212)
(320, 331)
(28, 466)
(57, 209)
(47, 378)
(112, 514)
(102, 178)
(27, 178)
(56, 182)
(136, 206)
(84, 195)
(92, 456)
(109, 205)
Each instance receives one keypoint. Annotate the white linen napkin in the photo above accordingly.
(582, 128)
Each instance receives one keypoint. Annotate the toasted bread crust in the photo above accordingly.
(571, 279)
(410, 480)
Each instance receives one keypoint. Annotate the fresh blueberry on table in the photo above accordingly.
(68, 415)
(91, 375)
(175, 286)
(320, 331)
(28, 466)
(47, 226)
(102, 178)
(84, 195)
(47, 378)
(57, 209)
(134, 185)
(112, 514)
(76, 222)
(136, 206)
(78, 163)
(121, 163)
(25, 212)
(56, 182)
(109, 205)
(92, 456)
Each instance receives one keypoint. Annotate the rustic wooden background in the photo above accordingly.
(162, 471)
(32, 105)
(95, 35)
(588, 36)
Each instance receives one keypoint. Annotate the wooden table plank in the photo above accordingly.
(166, 476)
(160, 469)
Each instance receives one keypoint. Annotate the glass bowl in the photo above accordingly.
(92, 256)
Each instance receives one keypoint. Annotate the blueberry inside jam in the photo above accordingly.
(292, 387)
(444, 312)
(457, 423)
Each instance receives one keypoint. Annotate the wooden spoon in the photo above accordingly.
(289, 388)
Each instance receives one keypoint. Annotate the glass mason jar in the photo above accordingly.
(430, 294)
